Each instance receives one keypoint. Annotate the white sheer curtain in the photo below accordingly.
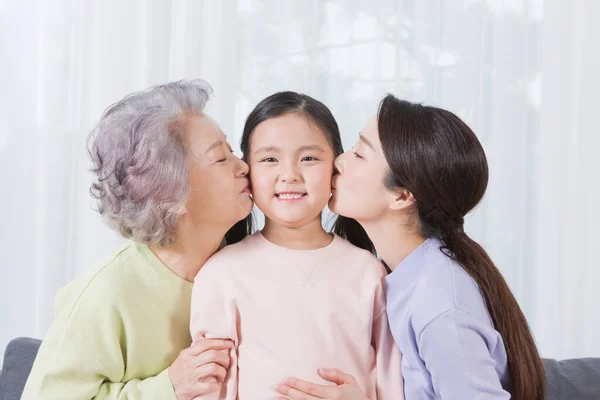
(522, 73)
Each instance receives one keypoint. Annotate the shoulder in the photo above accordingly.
(101, 290)
(363, 272)
(228, 259)
(445, 288)
(108, 276)
(358, 260)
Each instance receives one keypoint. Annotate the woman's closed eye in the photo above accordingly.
(225, 158)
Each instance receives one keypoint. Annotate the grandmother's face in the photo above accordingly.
(219, 192)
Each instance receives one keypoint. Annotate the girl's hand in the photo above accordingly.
(345, 387)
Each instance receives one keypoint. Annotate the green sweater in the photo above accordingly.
(116, 331)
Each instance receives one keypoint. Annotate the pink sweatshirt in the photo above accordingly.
(290, 312)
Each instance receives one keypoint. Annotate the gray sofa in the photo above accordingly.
(577, 379)
(18, 360)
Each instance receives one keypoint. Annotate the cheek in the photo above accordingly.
(263, 183)
(354, 179)
(320, 179)
(359, 185)
(221, 184)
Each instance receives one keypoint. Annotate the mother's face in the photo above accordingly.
(358, 188)
(219, 193)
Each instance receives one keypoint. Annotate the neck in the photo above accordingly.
(393, 239)
(191, 250)
(306, 237)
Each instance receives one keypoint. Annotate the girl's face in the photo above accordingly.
(358, 187)
(291, 164)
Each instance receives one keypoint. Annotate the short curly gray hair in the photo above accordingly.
(140, 160)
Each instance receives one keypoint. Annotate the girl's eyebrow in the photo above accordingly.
(267, 149)
(274, 149)
(313, 147)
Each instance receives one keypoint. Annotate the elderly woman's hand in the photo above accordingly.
(345, 387)
(201, 368)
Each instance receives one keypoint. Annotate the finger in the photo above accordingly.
(213, 356)
(313, 389)
(336, 376)
(294, 394)
(206, 371)
(210, 379)
(203, 345)
(205, 388)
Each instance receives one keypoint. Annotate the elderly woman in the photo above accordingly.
(166, 180)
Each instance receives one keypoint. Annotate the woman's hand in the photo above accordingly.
(201, 368)
(345, 387)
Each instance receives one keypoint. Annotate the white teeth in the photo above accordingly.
(287, 196)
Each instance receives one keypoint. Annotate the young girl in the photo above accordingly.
(414, 174)
(294, 297)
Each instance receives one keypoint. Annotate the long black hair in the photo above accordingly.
(283, 103)
(438, 158)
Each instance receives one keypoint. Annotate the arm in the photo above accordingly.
(210, 319)
(66, 369)
(456, 354)
(390, 383)
(82, 357)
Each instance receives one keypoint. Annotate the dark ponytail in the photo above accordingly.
(283, 103)
(438, 158)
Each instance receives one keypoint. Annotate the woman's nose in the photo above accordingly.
(243, 168)
(338, 164)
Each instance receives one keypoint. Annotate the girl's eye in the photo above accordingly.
(269, 160)
(356, 155)
(309, 158)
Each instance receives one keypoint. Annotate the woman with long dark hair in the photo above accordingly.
(414, 174)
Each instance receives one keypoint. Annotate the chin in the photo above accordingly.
(334, 205)
(290, 220)
(245, 208)
(338, 209)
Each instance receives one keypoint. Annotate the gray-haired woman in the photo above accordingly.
(167, 180)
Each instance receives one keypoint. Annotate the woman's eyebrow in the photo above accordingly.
(214, 145)
(366, 141)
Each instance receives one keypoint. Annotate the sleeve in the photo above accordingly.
(213, 317)
(390, 383)
(455, 352)
(65, 368)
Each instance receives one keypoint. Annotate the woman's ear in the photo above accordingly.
(401, 199)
